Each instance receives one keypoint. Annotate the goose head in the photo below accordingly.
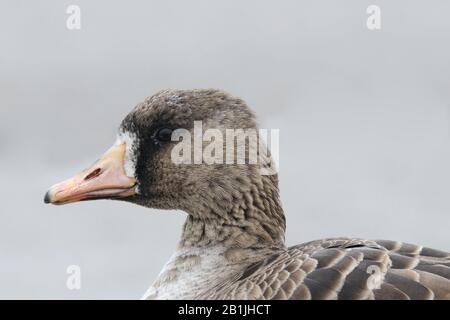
(140, 168)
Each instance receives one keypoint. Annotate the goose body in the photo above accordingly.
(339, 268)
(232, 244)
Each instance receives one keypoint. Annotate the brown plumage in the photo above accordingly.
(232, 244)
(345, 269)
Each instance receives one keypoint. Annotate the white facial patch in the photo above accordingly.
(130, 157)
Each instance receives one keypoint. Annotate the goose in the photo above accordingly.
(232, 243)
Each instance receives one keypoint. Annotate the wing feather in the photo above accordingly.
(342, 268)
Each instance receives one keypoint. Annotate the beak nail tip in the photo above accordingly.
(47, 197)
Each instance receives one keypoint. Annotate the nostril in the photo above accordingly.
(93, 174)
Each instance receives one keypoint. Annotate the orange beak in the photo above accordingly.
(105, 179)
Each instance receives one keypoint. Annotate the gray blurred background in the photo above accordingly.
(363, 117)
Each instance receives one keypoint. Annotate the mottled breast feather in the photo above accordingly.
(343, 268)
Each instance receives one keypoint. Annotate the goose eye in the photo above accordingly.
(164, 134)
